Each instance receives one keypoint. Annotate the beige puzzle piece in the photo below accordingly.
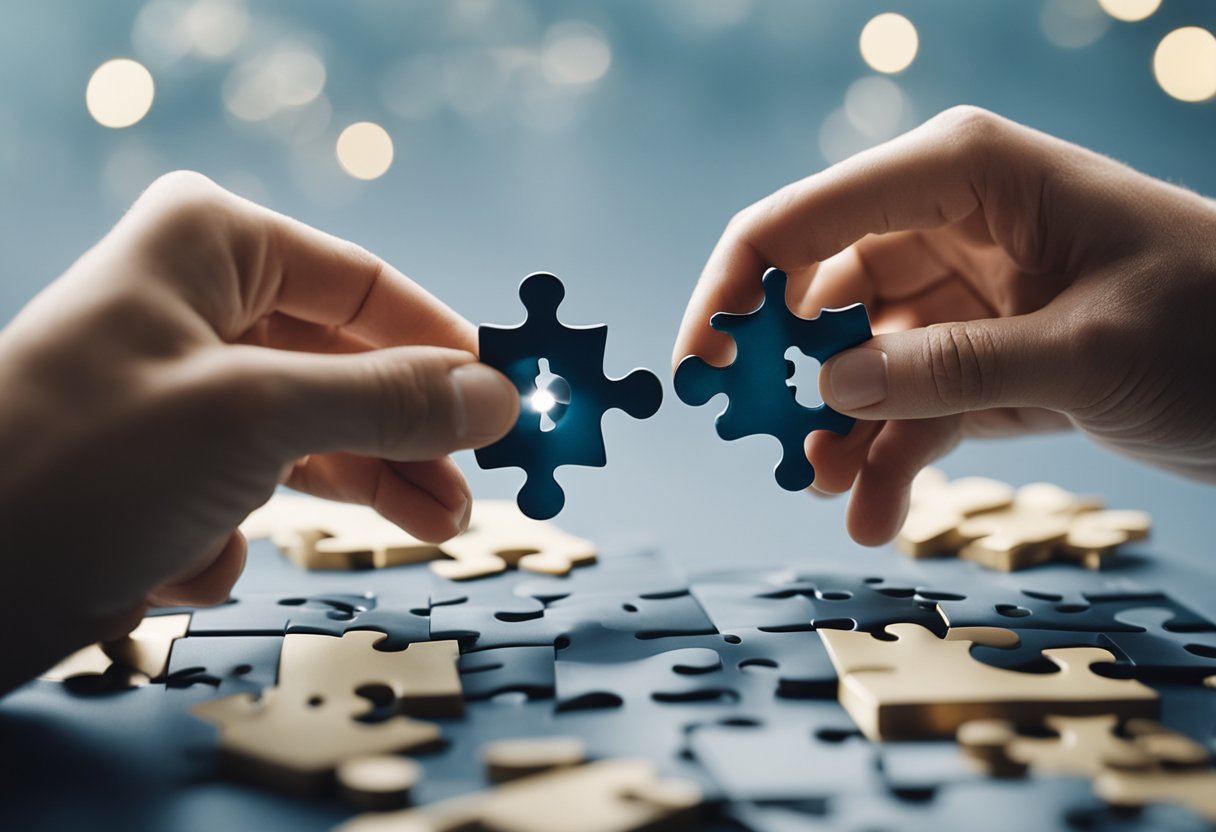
(291, 740)
(133, 660)
(423, 677)
(616, 795)
(1085, 746)
(921, 686)
(938, 506)
(327, 535)
(1193, 788)
(511, 759)
(378, 782)
(296, 733)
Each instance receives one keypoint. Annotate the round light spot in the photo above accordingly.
(1185, 64)
(365, 150)
(889, 43)
(119, 93)
(875, 106)
(543, 401)
(216, 27)
(575, 53)
(1073, 24)
(1129, 10)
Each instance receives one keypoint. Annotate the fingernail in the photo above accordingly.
(483, 400)
(858, 378)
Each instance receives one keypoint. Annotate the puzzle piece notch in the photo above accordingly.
(761, 400)
(1160, 652)
(893, 689)
(614, 795)
(1084, 746)
(132, 661)
(576, 355)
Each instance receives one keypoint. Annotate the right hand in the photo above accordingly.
(1016, 283)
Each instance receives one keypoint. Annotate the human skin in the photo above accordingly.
(1016, 284)
(206, 350)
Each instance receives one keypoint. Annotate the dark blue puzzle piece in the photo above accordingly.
(762, 401)
(644, 574)
(271, 615)
(1159, 652)
(853, 602)
(234, 664)
(526, 670)
(1028, 657)
(575, 355)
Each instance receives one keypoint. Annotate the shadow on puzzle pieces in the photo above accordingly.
(644, 574)
(527, 670)
(267, 614)
(1159, 652)
(576, 355)
(234, 664)
(1027, 656)
(762, 401)
(851, 602)
(1099, 611)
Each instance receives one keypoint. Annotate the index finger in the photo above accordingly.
(270, 263)
(926, 178)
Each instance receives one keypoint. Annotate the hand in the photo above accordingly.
(204, 351)
(1017, 283)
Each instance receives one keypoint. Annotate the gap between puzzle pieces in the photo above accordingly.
(757, 383)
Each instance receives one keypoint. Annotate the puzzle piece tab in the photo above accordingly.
(127, 662)
(575, 356)
(894, 689)
(762, 400)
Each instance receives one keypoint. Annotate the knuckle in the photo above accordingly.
(958, 356)
(184, 191)
(972, 132)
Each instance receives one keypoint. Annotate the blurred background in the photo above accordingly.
(471, 142)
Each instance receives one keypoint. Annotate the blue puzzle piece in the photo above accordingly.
(757, 381)
(576, 356)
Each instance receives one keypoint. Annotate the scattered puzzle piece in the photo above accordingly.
(894, 689)
(618, 795)
(1085, 746)
(378, 782)
(757, 381)
(938, 507)
(575, 355)
(983, 521)
(320, 534)
(512, 759)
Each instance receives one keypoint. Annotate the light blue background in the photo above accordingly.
(692, 122)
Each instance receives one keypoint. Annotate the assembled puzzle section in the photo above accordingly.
(574, 400)
(986, 522)
(757, 382)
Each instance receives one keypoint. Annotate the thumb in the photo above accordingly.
(402, 403)
(952, 368)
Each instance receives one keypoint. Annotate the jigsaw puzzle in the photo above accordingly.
(894, 689)
(378, 782)
(757, 382)
(512, 759)
(574, 400)
(984, 521)
(128, 662)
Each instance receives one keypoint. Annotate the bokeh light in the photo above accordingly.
(1073, 24)
(1185, 64)
(889, 43)
(120, 93)
(575, 53)
(365, 150)
(289, 75)
(1129, 10)
(216, 27)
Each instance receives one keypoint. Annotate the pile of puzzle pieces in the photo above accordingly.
(985, 521)
(614, 692)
